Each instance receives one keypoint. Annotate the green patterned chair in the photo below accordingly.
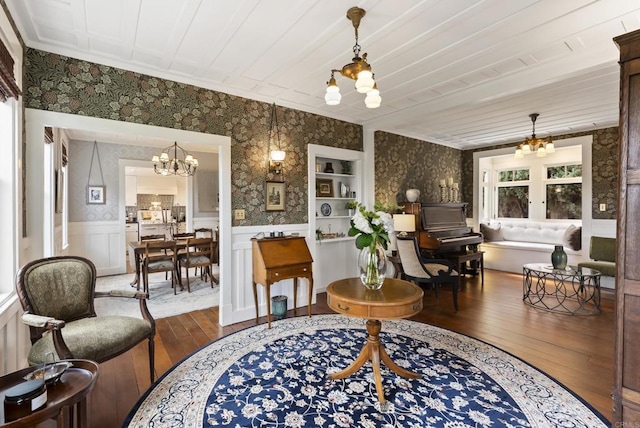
(57, 295)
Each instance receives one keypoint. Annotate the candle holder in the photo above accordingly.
(443, 193)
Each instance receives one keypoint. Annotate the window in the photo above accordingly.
(563, 187)
(513, 193)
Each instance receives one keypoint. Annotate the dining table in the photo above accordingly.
(137, 249)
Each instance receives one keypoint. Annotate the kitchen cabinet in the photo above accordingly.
(132, 234)
(130, 190)
(156, 229)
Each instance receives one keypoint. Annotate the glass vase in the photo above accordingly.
(373, 266)
(559, 258)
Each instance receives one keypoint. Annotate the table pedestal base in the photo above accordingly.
(374, 351)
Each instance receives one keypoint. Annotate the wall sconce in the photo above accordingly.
(276, 157)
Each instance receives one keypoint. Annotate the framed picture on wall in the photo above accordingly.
(275, 196)
(96, 194)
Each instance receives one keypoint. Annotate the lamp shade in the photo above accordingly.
(404, 222)
(278, 155)
(365, 81)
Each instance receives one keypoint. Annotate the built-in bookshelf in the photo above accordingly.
(335, 178)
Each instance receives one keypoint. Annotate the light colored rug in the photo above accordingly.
(260, 377)
(162, 302)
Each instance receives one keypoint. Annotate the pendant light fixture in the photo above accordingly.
(277, 155)
(358, 70)
(181, 163)
(540, 146)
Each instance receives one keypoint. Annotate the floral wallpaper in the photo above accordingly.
(403, 163)
(605, 171)
(62, 84)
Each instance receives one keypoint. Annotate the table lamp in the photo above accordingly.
(403, 223)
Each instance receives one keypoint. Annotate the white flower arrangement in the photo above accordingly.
(371, 228)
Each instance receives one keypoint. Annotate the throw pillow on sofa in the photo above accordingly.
(491, 232)
(572, 238)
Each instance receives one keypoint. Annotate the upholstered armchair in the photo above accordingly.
(420, 270)
(57, 295)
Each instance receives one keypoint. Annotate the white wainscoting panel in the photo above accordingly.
(206, 222)
(14, 337)
(101, 242)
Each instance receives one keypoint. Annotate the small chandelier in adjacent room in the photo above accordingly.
(358, 70)
(541, 146)
(276, 157)
(181, 163)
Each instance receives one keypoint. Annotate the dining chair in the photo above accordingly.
(159, 256)
(198, 253)
(207, 232)
(158, 237)
(421, 270)
(57, 295)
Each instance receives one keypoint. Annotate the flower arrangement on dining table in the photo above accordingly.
(371, 228)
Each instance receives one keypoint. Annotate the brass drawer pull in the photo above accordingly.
(416, 306)
(344, 308)
(277, 274)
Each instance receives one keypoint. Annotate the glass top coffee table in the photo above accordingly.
(574, 290)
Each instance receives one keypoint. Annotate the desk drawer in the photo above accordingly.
(276, 274)
(347, 308)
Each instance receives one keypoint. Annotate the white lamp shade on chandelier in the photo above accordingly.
(182, 163)
(541, 146)
(358, 70)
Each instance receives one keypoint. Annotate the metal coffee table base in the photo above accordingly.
(574, 291)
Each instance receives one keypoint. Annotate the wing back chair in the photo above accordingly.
(57, 295)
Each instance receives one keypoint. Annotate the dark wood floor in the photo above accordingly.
(575, 350)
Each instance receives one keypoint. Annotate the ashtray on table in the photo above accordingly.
(50, 373)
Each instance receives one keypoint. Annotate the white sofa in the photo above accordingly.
(526, 242)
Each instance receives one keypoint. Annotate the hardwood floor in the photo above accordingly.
(575, 350)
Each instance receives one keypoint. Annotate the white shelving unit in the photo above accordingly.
(335, 255)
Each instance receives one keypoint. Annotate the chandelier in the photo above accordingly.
(541, 146)
(358, 70)
(182, 163)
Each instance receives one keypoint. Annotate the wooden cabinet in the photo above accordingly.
(626, 393)
(335, 253)
(277, 259)
(132, 234)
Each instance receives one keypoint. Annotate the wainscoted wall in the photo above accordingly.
(403, 163)
(14, 337)
(57, 83)
(605, 171)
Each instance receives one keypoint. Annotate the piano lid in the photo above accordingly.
(443, 216)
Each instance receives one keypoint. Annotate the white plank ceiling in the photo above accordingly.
(463, 73)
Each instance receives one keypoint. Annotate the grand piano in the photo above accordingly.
(441, 228)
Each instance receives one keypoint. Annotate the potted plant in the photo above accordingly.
(351, 206)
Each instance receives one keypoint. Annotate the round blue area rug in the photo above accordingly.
(277, 377)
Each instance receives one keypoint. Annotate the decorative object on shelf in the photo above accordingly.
(351, 207)
(358, 70)
(346, 167)
(324, 187)
(328, 168)
(182, 163)
(449, 191)
(275, 192)
(325, 209)
(318, 166)
(559, 258)
(96, 194)
(541, 146)
(319, 234)
(276, 157)
(404, 223)
(372, 230)
(343, 190)
(412, 195)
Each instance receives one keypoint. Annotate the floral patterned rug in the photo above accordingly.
(278, 378)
